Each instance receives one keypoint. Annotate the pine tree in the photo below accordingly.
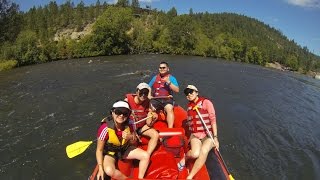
(135, 4)
(10, 21)
(123, 3)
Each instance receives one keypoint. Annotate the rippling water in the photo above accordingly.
(268, 121)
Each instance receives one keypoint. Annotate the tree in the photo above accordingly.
(292, 62)
(191, 12)
(80, 14)
(67, 14)
(123, 3)
(236, 47)
(10, 21)
(141, 37)
(204, 45)
(135, 4)
(27, 51)
(53, 14)
(111, 30)
(182, 34)
(254, 56)
(97, 8)
(172, 12)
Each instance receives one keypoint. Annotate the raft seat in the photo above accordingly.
(171, 148)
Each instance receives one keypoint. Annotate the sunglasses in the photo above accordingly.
(162, 67)
(124, 111)
(143, 92)
(188, 91)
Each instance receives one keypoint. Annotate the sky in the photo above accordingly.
(298, 20)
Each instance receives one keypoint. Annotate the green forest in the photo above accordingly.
(126, 28)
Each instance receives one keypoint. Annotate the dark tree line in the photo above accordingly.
(125, 28)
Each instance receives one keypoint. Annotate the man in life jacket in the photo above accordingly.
(163, 85)
(143, 115)
(200, 140)
(115, 141)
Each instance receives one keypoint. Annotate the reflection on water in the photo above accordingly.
(268, 120)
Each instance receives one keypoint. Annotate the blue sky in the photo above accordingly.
(296, 19)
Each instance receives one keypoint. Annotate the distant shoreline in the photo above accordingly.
(280, 67)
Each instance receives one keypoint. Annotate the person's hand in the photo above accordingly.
(100, 174)
(166, 79)
(153, 117)
(126, 135)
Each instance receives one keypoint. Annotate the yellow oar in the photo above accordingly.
(77, 148)
(209, 133)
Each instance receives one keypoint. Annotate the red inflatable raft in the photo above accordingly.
(163, 161)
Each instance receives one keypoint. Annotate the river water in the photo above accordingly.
(268, 121)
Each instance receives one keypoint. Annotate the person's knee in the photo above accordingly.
(204, 151)
(109, 170)
(154, 135)
(145, 156)
(195, 154)
(169, 108)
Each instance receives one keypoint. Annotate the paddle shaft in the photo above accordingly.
(162, 97)
(135, 127)
(94, 173)
(210, 135)
(142, 120)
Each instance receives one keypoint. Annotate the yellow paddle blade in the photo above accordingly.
(230, 177)
(77, 148)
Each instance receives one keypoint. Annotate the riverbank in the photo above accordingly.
(280, 67)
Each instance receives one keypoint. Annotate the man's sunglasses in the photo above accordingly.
(188, 91)
(124, 111)
(143, 92)
(162, 67)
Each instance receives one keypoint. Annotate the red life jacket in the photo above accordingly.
(160, 87)
(194, 121)
(139, 111)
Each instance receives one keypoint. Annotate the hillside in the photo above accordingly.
(67, 31)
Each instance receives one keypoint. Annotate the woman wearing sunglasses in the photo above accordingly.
(200, 141)
(140, 107)
(115, 139)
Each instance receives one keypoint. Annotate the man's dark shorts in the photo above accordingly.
(159, 104)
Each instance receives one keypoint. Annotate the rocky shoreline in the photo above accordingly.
(280, 67)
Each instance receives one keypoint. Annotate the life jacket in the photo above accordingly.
(114, 146)
(193, 119)
(139, 111)
(160, 87)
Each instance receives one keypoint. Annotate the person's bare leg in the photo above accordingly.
(193, 152)
(110, 169)
(143, 156)
(154, 137)
(205, 149)
(170, 115)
